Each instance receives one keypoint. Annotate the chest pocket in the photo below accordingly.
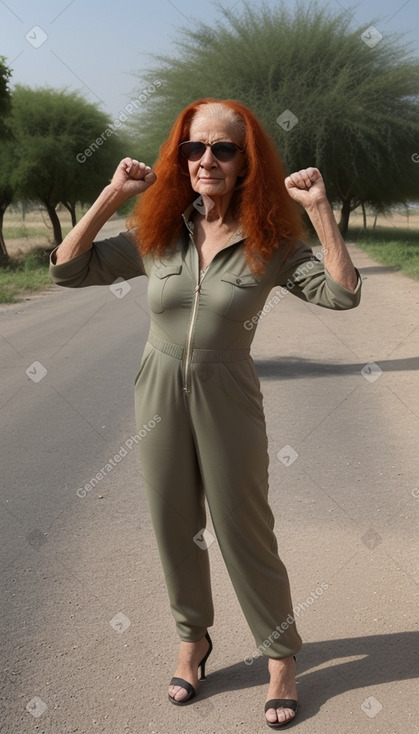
(237, 296)
(163, 285)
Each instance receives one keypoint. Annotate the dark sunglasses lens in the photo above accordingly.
(192, 151)
(224, 151)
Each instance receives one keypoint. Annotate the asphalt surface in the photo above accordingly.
(87, 639)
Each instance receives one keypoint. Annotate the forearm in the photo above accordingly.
(337, 260)
(81, 237)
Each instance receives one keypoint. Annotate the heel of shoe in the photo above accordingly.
(201, 666)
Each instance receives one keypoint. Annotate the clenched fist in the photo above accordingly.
(306, 187)
(132, 177)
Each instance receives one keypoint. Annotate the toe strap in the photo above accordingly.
(183, 684)
(281, 703)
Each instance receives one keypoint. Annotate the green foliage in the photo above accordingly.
(52, 128)
(22, 277)
(357, 106)
(6, 147)
(396, 248)
(60, 148)
(7, 157)
(5, 74)
(61, 151)
(23, 232)
(28, 233)
(8, 161)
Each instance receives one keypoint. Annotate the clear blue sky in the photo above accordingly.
(94, 47)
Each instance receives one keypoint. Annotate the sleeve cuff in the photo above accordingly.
(70, 272)
(345, 297)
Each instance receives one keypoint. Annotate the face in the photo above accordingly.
(209, 175)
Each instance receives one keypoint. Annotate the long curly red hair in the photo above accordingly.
(268, 216)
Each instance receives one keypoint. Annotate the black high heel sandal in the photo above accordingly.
(282, 703)
(184, 683)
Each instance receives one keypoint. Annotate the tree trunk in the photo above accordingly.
(56, 225)
(345, 213)
(364, 214)
(4, 255)
(72, 209)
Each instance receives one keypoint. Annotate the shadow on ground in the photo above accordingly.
(379, 269)
(327, 669)
(292, 368)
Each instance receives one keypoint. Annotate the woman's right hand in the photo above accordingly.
(132, 177)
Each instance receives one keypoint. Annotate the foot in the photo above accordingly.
(282, 685)
(190, 655)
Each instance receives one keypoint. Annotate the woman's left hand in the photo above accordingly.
(306, 187)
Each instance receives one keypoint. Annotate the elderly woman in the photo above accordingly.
(214, 231)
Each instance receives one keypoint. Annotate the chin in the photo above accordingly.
(210, 189)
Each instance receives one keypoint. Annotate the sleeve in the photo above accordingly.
(106, 261)
(304, 275)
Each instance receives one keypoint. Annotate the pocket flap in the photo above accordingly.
(242, 281)
(164, 272)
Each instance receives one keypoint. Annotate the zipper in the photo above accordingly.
(188, 350)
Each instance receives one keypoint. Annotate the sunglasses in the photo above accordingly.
(221, 151)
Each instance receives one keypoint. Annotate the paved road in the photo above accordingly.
(88, 643)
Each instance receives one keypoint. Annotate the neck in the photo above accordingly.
(217, 208)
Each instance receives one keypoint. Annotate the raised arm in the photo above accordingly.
(308, 189)
(130, 178)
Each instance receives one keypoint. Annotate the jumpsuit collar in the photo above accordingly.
(187, 218)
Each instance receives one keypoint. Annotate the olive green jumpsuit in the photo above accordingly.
(197, 376)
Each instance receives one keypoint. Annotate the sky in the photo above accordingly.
(96, 47)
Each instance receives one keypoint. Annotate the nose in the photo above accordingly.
(208, 158)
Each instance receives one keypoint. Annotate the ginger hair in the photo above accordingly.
(266, 213)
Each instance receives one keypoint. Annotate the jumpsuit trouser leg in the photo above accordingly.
(214, 438)
(175, 493)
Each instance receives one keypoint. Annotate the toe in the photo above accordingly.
(178, 693)
(285, 715)
(271, 716)
(279, 716)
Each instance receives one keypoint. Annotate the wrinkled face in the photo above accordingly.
(208, 175)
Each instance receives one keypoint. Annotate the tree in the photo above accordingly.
(330, 96)
(7, 157)
(5, 74)
(64, 151)
(6, 190)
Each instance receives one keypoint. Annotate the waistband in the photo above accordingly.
(199, 355)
